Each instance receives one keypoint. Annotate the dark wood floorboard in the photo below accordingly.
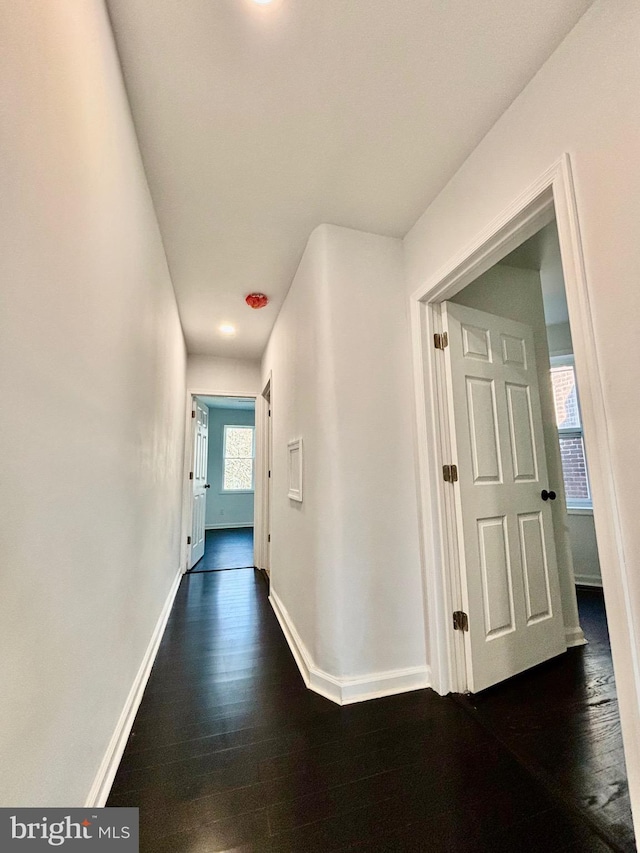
(561, 721)
(226, 548)
(230, 751)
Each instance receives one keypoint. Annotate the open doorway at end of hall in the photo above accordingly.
(223, 483)
(537, 573)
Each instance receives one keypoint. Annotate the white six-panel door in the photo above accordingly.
(506, 548)
(200, 453)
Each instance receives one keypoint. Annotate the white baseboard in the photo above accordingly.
(223, 526)
(574, 637)
(106, 773)
(345, 691)
(588, 580)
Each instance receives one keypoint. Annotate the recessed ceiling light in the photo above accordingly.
(262, 2)
(227, 329)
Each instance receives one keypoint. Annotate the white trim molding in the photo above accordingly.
(234, 525)
(346, 691)
(588, 580)
(103, 781)
(263, 466)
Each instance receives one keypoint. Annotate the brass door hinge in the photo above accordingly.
(450, 473)
(460, 621)
(193, 414)
(440, 341)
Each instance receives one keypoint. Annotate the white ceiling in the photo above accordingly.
(236, 403)
(257, 123)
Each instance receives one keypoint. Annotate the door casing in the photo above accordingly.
(551, 196)
(263, 483)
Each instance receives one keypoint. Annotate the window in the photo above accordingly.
(238, 455)
(569, 421)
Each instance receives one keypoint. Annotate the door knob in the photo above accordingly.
(208, 486)
(547, 496)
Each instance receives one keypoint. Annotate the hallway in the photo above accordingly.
(230, 751)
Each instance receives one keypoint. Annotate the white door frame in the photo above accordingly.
(261, 526)
(187, 491)
(551, 195)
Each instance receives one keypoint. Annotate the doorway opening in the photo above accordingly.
(222, 479)
(571, 702)
(513, 460)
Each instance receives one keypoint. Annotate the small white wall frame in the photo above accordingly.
(295, 469)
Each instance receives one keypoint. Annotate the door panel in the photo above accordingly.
(495, 567)
(523, 449)
(534, 566)
(506, 548)
(513, 351)
(475, 342)
(483, 430)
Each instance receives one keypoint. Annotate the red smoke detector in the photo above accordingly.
(257, 300)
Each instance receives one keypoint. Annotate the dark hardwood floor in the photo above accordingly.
(230, 751)
(228, 548)
(561, 721)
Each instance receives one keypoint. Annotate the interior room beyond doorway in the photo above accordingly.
(227, 534)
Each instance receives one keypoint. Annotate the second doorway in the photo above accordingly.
(223, 503)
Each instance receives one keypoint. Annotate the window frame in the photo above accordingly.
(578, 505)
(250, 491)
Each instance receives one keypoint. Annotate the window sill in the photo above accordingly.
(237, 492)
(579, 510)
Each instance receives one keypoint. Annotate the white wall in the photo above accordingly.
(559, 339)
(235, 376)
(517, 294)
(89, 334)
(583, 101)
(584, 547)
(225, 508)
(345, 562)
(552, 275)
